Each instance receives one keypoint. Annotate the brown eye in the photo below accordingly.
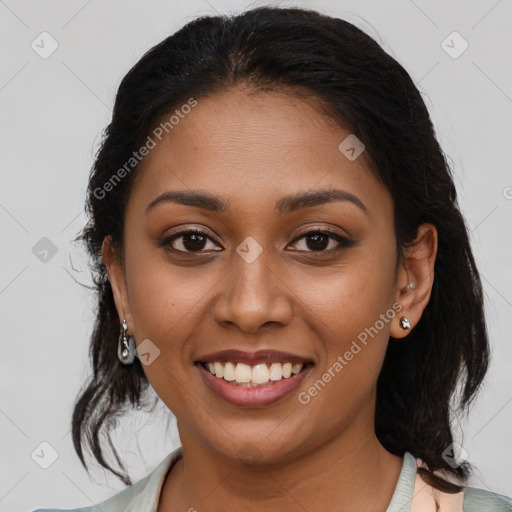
(318, 241)
(192, 240)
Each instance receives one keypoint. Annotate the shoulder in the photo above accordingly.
(116, 503)
(470, 499)
(143, 495)
(477, 500)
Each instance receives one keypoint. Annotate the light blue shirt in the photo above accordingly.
(144, 495)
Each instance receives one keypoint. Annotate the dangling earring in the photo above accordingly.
(404, 322)
(126, 347)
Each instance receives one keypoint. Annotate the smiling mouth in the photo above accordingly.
(257, 375)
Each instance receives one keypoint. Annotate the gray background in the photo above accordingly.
(53, 112)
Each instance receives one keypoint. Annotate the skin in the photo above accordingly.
(252, 149)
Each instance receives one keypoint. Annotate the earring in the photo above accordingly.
(126, 347)
(404, 322)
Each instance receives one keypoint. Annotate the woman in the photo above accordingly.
(275, 230)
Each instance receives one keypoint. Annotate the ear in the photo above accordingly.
(415, 278)
(116, 276)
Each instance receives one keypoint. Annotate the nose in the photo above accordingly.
(254, 296)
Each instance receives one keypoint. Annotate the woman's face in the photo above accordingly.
(252, 282)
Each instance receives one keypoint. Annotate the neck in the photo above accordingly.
(351, 472)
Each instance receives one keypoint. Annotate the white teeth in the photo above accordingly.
(296, 368)
(260, 374)
(257, 374)
(276, 371)
(219, 370)
(229, 372)
(242, 372)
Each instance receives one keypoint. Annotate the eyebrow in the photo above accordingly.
(286, 204)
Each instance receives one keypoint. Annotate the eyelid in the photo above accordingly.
(320, 229)
(342, 240)
(192, 229)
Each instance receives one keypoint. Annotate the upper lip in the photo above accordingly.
(252, 358)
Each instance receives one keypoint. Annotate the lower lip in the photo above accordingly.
(252, 397)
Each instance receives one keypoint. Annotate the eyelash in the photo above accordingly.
(342, 241)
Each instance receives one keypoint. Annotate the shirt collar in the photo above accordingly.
(402, 496)
(149, 488)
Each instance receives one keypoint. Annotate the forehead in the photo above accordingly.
(252, 149)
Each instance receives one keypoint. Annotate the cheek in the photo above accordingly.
(167, 301)
(351, 297)
(166, 304)
(352, 314)
(162, 301)
(352, 355)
